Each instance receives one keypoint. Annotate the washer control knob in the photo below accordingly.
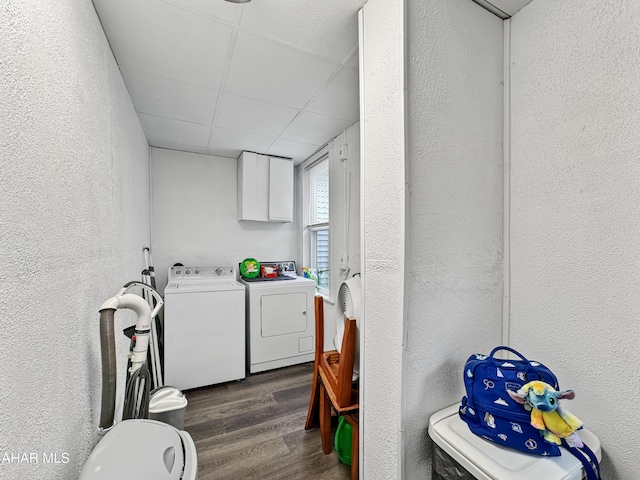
(178, 272)
(219, 271)
(188, 272)
(197, 272)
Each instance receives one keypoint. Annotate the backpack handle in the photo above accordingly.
(515, 352)
(529, 368)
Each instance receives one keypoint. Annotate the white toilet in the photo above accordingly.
(485, 460)
(141, 450)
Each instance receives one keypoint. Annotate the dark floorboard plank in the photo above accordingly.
(264, 414)
(254, 429)
(222, 411)
(298, 393)
(238, 439)
(269, 383)
(241, 463)
(204, 430)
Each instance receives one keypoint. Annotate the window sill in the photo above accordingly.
(325, 294)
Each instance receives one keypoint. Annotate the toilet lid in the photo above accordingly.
(488, 461)
(137, 449)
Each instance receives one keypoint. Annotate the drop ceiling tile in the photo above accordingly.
(329, 29)
(242, 113)
(172, 51)
(339, 98)
(229, 143)
(169, 98)
(177, 3)
(274, 73)
(314, 129)
(213, 8)
(165, 40)
(299, 152)
(162, 129)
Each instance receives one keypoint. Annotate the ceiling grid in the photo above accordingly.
(213, 77)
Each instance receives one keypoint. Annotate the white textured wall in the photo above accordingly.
(344, 190)
(454, 223)
(382, 210)
(195, 219)
(74, 218)
(575, 197)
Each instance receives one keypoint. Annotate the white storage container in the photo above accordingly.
(485, 460)
(169, 405)
(142, 449)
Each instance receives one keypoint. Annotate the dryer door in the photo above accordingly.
(283, 314)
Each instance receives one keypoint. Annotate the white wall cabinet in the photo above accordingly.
(265, 188)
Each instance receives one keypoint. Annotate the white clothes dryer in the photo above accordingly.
(460, 454)
(280, 319)
(204, 327)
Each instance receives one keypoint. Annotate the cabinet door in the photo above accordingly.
(253, 186)
(280, 190)
(262, 188)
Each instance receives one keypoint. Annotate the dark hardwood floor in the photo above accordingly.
(254, 429)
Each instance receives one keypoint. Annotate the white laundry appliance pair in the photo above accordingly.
(280, 318)
(204, 327)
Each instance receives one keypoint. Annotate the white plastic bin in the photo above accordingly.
(142, 449)
(466, 452)
(169, 405)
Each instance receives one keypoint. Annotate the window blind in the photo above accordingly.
(318, 193)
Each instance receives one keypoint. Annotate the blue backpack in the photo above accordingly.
(491, 413)
(489, 410)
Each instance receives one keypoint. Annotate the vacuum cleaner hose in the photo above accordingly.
(137, 394)
(108, 349)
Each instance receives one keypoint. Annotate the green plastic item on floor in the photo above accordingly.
(343, 440)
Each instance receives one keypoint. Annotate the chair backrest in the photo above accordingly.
(347, 357)
(319, 310)
(341, 378)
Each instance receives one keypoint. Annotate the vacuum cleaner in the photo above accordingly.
(136, 448)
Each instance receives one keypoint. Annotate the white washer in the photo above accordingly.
(204, 327)
(280, 320)
(487, 461)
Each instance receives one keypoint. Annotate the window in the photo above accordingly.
(317, 219)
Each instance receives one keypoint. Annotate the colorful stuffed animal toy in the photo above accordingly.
(553, 421)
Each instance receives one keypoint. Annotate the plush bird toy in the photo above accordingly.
(553, 421)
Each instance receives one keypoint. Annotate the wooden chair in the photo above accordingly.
(332, 386)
